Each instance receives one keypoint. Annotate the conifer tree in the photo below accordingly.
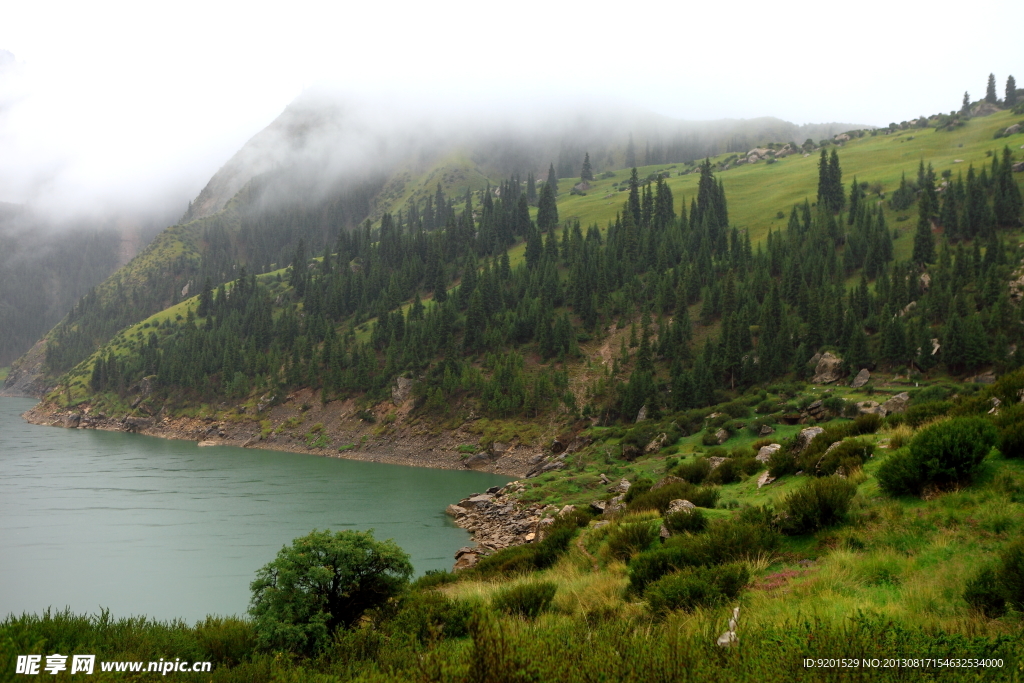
(547, 209)
(552, 180)
(990, 89)
(531, 190)
(633, 204)
(1006, 202)
(585, 173)
(630, 153)
(1010, 99)
(965, 106)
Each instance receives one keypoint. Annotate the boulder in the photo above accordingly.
(870, 408)
(667, 481)
(815, 410)
(598, 506)
(896, 404)
(828, 369)
(765, 430)
(1012, 130)
(454, 510)
(204, 444)
(680, 505)
(71, 420)
(568, 509)
(621, 487)
(664, 532)
(804, 438)
(926, 281)
(1018, 167)
(136, 424)
(766, 452)
(478, 501)
(631, 452)
(716, 461)
(465, 558)
(615, 505)
(988, 377)
(764, 479)
(642, 414)
(861, 379)
(401, 390)
(721, 436)
(656, 443)
(497, 449)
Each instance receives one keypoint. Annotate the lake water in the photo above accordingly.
(147, 526)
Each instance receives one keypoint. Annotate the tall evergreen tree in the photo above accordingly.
(965, 106)
(547, 209)
(990, 89)
(1010, 99)
(585, 173)
(552, 180)
(630, 153)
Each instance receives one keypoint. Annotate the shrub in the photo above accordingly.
(849, 455)
(735, 539)
(692, 521)
(526, 599)
(554, 545)
(982, 593)
(513, 560)
(696, 587)
(631, 538)
(427, 615)
(694, 472)
(648, 567)
(900, 474)
(1011, 440)
(951, 451)
(659, 499)
(1011, 574)
(727, 472)
(433, 578)
(322, 582)
(834, 405)
(637, 489)
(735, 409)
(818, 504)
(916, 415)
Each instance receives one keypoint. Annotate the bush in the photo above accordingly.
(637, 489)
(429, 614)
(818, 504)
(916, 415)
(433, 578)
(694, 472)
(848, 455)
(951, 451)
(692, 521)
(735, 409)
(322, 582)
(526, 599)
(696, 587)
(648, 567)
(513, 560)
(834, 405)
(982, 593)
(1011, 441)
(727, 472)
(659, 499)
(900, 474)
(631, 538)
(1011, 574)
(735, 539)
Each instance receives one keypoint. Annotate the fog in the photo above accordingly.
(113, 108)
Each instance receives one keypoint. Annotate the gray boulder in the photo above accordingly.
(766, 430)
(804, 438)
(897, 404)
(680, 505)
(828, 370)
(861, 379)
(71, 420)
(721, 436)
(401, 390)
(766, 452)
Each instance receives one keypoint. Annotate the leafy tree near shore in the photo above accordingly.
(322, 582)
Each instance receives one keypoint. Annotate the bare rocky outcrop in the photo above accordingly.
(896, 404)
(25, 379)
(401, 390)
(804, 438)
(766, 452)
(861, 379)
(828, 369)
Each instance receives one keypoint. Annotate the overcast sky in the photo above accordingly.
(128, 103)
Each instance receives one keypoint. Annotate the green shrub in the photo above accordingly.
(433, 578)
(983, 593)
(1011, 441)
(951, 451)
(683, 551)
(526, 599)
(1011, 574)
(556, 542)
(849, 455)
(659, 499)
(427, 615)
(727, 472)
(696, 587)
(818, 504)
(735, 409)
(514, 560)
(632, 538)
(734, 539)
(917, 414)
(692, 521)
(834, 405)
(900, 474)
(638, 488)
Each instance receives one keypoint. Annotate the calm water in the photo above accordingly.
(141, 525)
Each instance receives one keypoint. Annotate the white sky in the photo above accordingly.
(139, 103)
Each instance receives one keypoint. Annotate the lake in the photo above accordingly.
(147, 526)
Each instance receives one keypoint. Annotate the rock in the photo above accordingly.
(454, 510)
(401, 390)
(842, 137)
(764, 479)
(621, 487)
(1012, 130)
(530, 536)
(465, 558)
(935, 346)
(493, 489)
(926, 281)
(680, 505)
(265, 402)
(656, 443)
(598, 506)
(642, 415)
(581, 187)
(1018, 167)
(721, 436)
(716, 461)
(804, 438)
(203, 444)
(497, 449)
(478, 501)
(136, 424)
(568, 509)
(766, 452)
(615, 505)
(861, 379)
(984, 109)
(815, 410)
(630, 452)
(870, 408)
(988, 377)
(828, 369)
(664, 532)
(71, 420)
(765, 430)
(557, 446)
(814, 359)
(604, 478)
(896, 404)
(667, 481)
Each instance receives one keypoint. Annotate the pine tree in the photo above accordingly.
(630, 153)
(585, 173)
(552, 180)
(547, 209)
(1007, 199)
(531, 190)
(1010, 99)
(965, 106)
(990, 89)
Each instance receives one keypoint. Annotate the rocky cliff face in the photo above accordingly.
(26, 376)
